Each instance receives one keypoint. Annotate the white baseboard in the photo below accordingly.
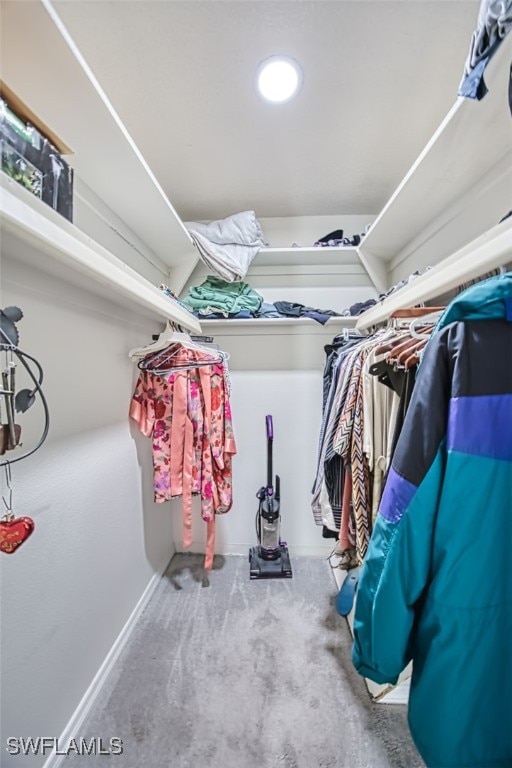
(77, 719)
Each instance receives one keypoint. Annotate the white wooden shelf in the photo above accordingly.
(487, 252)
(300, 256)
(474, 137)
(341, 322)
(272, 325)
(46, 70)
(60, 248)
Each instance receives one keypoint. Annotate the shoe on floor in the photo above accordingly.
(345, 598)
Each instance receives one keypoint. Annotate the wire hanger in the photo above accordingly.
(160, 363)
(172, 333)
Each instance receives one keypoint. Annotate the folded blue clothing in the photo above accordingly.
(267, 309)
(244, 314)
(293, 309)
(320, 317)
(361, 306)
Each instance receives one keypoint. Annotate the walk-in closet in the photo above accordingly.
(256, 394)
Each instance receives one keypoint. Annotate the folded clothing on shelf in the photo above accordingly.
(336, 239)
(403, 282)
(494, 23)
(359, 307)
(216, 296)
(227, 246)
(217, 300)
(337, 235)
(267, 309)
(171, 295)
(210, 313)
(292, 309)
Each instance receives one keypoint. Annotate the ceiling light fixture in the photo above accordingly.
(278, 78)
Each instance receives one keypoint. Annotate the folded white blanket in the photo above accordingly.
(228, 246)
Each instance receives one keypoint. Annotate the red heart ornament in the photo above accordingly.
(14, 532)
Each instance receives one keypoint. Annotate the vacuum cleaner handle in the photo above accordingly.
(270, 438)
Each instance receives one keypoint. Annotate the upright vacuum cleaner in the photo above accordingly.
(270, 558)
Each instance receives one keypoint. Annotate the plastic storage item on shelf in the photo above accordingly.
(29, 158)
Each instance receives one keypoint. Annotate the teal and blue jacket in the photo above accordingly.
(436, 585)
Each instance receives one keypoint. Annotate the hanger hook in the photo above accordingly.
(8, 474)
(8, 480)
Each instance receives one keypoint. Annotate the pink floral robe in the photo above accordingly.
(188, 416)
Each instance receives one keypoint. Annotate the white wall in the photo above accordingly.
(92, 216)
(282, 232)
(99, 539)
(294, 398)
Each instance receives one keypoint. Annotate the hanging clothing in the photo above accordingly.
(333, 464)
(367, 386)
(348, 443)
(436, 585)
(404, 392)
(324, 508)
(401, 382)
(332, 351)
(187, 414)
(342, 448)
(346, 539)
(494, 23)
(380, 409)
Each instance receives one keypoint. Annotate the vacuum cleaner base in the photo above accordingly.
(280, 568)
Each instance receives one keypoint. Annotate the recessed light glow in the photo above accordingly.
(279, 78)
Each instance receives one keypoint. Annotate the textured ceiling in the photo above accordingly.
(379, 76)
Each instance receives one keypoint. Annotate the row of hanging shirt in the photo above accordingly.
(368, 383)
(181, 401)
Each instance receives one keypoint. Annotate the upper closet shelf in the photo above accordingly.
(60, 248)
(487, 252)
(300, 256)
(473, 138)
(46, 70)
(277, 322)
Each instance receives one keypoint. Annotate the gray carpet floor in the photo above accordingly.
(224, 672)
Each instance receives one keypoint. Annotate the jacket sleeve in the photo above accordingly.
(396, 568)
